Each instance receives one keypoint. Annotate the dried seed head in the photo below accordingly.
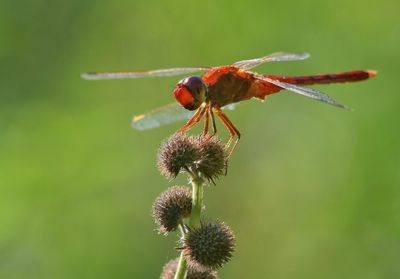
(169, 271)
(178, 152)
(171, 207)
(209, 246)
(212, 162)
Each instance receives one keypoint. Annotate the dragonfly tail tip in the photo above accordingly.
(372, 73)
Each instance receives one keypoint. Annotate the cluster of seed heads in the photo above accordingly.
(209, 246)
(203, 155)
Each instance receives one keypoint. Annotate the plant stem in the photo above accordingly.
(197, 201)
(197, 204)
(181, 270)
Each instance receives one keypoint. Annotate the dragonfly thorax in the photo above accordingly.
(190, 92)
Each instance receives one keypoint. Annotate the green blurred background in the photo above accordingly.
(312, 191)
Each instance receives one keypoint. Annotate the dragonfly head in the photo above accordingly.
(190, 92)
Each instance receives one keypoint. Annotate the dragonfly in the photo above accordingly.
(220, 87)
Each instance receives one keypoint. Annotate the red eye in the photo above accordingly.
(183, 96)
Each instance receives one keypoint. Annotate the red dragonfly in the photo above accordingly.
(222, 86)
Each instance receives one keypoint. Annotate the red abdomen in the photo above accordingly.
(268, 88)
(326, 78)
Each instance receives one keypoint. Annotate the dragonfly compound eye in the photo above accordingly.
(190, 92)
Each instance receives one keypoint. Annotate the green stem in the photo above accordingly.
(197, 201)
(181, 270)
(197, 204)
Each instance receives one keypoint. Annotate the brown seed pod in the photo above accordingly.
(178, 152)
(169, 271)
(209, 246)
(212, 162)
(171, 207)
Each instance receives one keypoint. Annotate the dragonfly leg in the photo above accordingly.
(237, 133)
(213, 124)
(232, 130)
(206, 119)
(193, 121)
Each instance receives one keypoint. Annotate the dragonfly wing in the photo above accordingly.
(161, 116)
(307, 92)
(167, 114)
(142, 74)
(277, 56)
(230, 106)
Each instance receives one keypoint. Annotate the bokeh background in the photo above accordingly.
(312, 191)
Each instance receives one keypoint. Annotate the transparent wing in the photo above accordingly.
(277, 56)
(307, 92)
(142, 74)
(161, 116)
(167, 114)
